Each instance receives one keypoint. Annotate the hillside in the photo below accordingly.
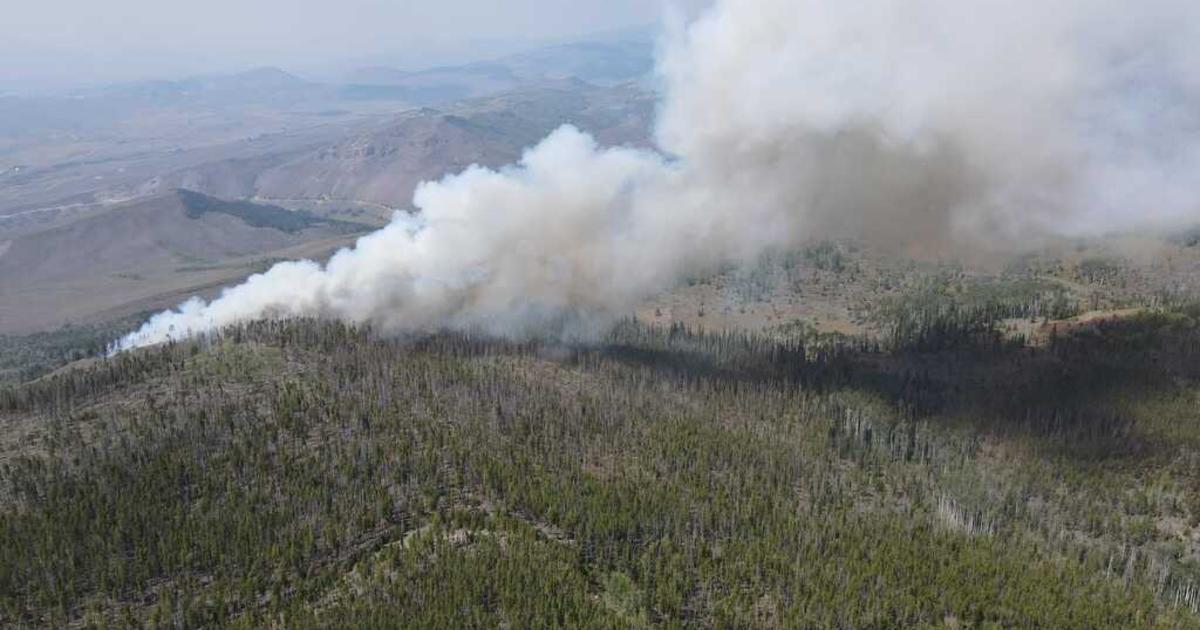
(146, 254)
(617, 59)
(131, 247)
(308, 474)
(258, 86)
(382, 166)
(984, 450)
(350, 164)
(217, 133)
(432, 86)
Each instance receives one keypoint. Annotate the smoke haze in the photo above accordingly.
(70, 42)
(909, 123)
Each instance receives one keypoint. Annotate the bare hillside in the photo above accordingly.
(383, 165)
(134, 246)
(145, 253)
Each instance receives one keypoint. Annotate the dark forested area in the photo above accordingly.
(26, 357)
(305, 473)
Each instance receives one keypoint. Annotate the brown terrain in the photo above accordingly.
(378, 169)
(117, 239)
(143, 255)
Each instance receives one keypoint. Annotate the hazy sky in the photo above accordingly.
(102, 40)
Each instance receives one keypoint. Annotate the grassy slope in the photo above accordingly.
(305, 474)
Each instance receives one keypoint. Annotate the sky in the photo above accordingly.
(94, 41)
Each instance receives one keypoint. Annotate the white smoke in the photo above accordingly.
(906, 121)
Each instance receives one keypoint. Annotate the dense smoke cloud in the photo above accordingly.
(911, 122)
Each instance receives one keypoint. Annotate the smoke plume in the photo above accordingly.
(903, 121)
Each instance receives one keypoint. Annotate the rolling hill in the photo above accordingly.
(385, 165)
(143, 244)
(148, 254)
(381, 166)
(91, 146)
(623, 57)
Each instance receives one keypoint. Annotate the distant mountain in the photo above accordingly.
(428, 87)
(384, 165)
(21, 116)
(599, 62)
(361, 155)
(101, 229)
(102, 109)
(594, 62)
(607, 60)
(260, 84)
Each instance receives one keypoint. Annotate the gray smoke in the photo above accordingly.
(907, 122)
